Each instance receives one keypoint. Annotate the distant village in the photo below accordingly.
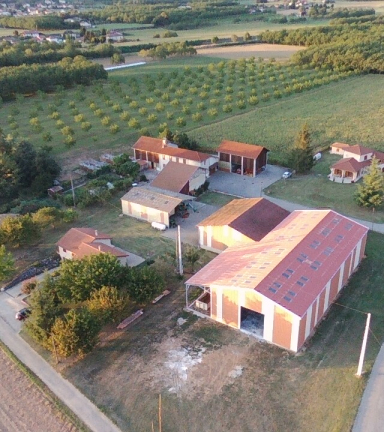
(45, 7)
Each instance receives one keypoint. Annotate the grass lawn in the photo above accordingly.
(350, 111)
(215, 198)
(316, 390)
(316, 190)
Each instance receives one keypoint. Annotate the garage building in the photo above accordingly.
(151, 204)
(241, 221)
(280, 288)
(240, 158)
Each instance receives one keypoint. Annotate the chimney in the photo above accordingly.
(164, 143)
(96, 233)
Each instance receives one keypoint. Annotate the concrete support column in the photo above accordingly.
(242, 165)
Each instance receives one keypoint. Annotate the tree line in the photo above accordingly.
(30, 52)
(165, 50)
(355, 47)
(49, 22)
(28, 79)
(25, 171)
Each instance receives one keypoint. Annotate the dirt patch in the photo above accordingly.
(23, 406)
(267, 51)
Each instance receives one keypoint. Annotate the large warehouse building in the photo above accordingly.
(281, 287)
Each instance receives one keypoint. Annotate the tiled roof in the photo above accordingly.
(359, 150)
(83, 241)
(154, 198)
(253, 217)
(350, 164)
(156, 145)
(240, 149)
(340, 145)
(292, 264)
(174, 176)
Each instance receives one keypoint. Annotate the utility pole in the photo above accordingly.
(160, 426)
(363, 347)
(73, 192)
(180, 255)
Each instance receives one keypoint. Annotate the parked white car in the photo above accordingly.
(287, 175)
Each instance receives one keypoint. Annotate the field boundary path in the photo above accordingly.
(63, 389)
(370, 416)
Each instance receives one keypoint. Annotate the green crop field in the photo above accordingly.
(137, 102)
(350, 111)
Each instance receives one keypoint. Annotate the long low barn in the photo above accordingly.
(281, 287)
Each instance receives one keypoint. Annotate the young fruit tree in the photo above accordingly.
(370, 193)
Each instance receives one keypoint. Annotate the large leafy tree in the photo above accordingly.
(7, 263)
(19, 231)
(143, 284)
(107, 303)
(300, 157)
(80, 278)
(75, 333)
(370, 193)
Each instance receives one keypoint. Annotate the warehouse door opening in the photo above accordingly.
(252, 322)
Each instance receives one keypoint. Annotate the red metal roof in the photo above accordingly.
(175, 176)
(292, 264)
(350, 164)
(253, 217)
(240, 149)
(156, 145)
(359, 150)
(340, 145)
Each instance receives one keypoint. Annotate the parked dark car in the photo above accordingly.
(23, 314)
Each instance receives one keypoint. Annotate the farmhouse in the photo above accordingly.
(354, 164)
(180, 178)
(241, 221)
(115, 36)
(159, 152)
(280, 288)
(240, 158)
(80, 242)
(152, 204)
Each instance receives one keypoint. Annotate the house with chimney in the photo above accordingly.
(158, 152)
(78, 243)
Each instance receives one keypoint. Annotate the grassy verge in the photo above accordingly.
(48, 394)
(215, 198)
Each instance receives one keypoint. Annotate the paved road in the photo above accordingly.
(10, 302)
(370, 417)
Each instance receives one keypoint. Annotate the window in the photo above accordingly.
(272, 290)
(184, 161)
(286, 298)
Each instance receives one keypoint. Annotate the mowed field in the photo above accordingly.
(213, 378)
(350, 111)
(266, 51)
(24, 407)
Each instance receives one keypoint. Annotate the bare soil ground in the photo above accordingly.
(267, 51)
(23, 407)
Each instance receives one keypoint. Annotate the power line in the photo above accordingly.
(347, 307)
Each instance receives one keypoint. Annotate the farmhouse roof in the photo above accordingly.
(84, 241)
(152, 197)
(240, 149)
(253, 217)
(157, 145)
(292, 264)
(175, 176)
(350, 164)
(340, 145)
(359, 150)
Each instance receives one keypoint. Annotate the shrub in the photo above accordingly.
(227, 108)
(86, 126)
(55, 115)
(70, 141)
(99, 113)
(116, 108)
(213, 112)
(134, 123)
(170, 115)
(47, 137)
(114, 128)
(181, 121)
(79, 118)
(134, 104)
(28, 286)
(175, 102)
(67, 130)
(106, 121)
(266, 97)
(253, 100)
(160, 107)
(60, 124)
(197, 117)
(186, 109)
(143, 111)
(241, 104)
(228, 98)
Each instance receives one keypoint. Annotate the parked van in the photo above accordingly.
(317, 157)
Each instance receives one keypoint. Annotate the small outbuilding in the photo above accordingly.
(151, 204)
(180, 178)
(240, 158)
(241, 221)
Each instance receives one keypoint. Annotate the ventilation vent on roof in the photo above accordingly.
(262, 268)
(277, 284)
(349, 226)
(304, 256)
(289, 271)
(300, 283)
(336, 221)
(315, 244)
(252, 277)
(288, 299)
(272, 290)
(327, 251)
(286, 275)
(338, 238)
(313, 267)
(300, 259)
(325, 232)
(317, 263)
(152, 198)
(166, 202)
(247, 281)
(292, 293)
(304, 279)
(248, 266)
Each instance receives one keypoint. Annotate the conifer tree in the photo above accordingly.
(370, 193)
(300, 157)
